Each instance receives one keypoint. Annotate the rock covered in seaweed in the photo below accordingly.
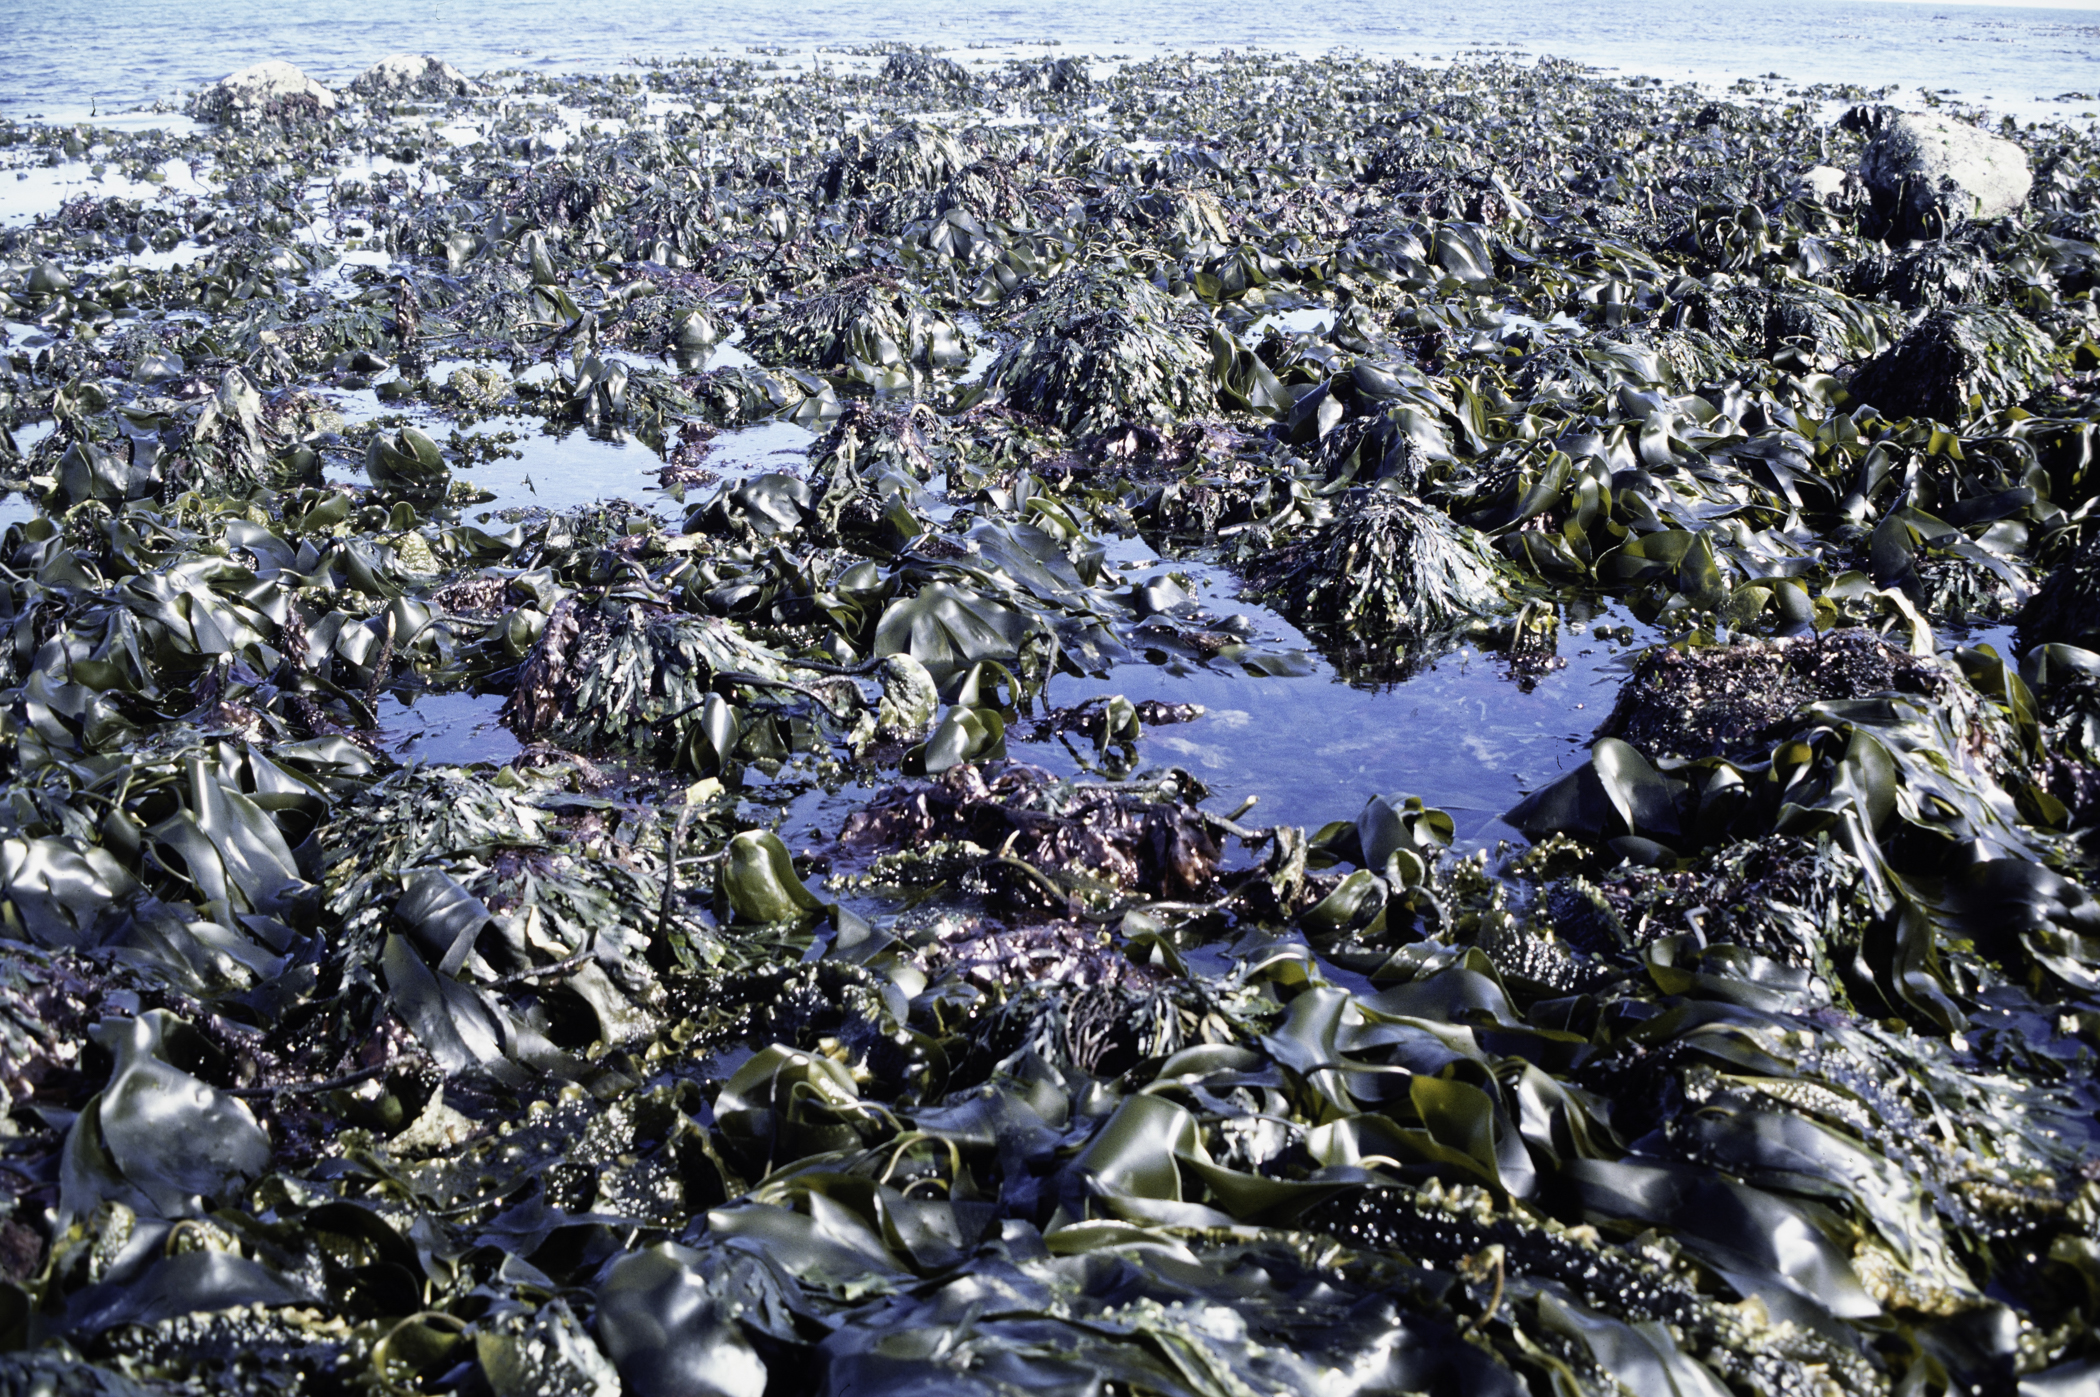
(1055, 75)
(1955, 362)
(1126, 837)
(915, 70)
(621, 680)
(1715, 701)
(1385, 568)
(1100, 348)
(1787, 899)
(1928, 173)
(1925, 275)
(400, 75)
(910, 701)
(909, 156)
(2066, 608)
(868, 324)
(271, 90)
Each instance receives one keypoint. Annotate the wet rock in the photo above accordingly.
(1927, 173)
(1720, 701)
(413, 75)
(1112, 718)
(478, 386)
(2066, 609)
(272, 90)
(1956, 362)
(910, 702)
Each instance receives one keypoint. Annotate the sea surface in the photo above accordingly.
(66, 59)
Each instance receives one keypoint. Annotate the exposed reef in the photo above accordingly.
(804, 968)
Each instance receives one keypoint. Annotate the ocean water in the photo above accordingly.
(66, 59)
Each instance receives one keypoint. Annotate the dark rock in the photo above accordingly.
(2066, 609)
(1720, 701)
(1951, 357)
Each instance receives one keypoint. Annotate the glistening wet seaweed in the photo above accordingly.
(831, 982)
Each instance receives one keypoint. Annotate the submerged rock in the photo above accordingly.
(271, 90)
(1929, 172)
(414, 75)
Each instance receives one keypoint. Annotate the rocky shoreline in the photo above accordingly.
(1763, 1063)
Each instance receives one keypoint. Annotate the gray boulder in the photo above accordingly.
(271, 90)
(1833, 186)
(1929, 173)
(402, 75)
